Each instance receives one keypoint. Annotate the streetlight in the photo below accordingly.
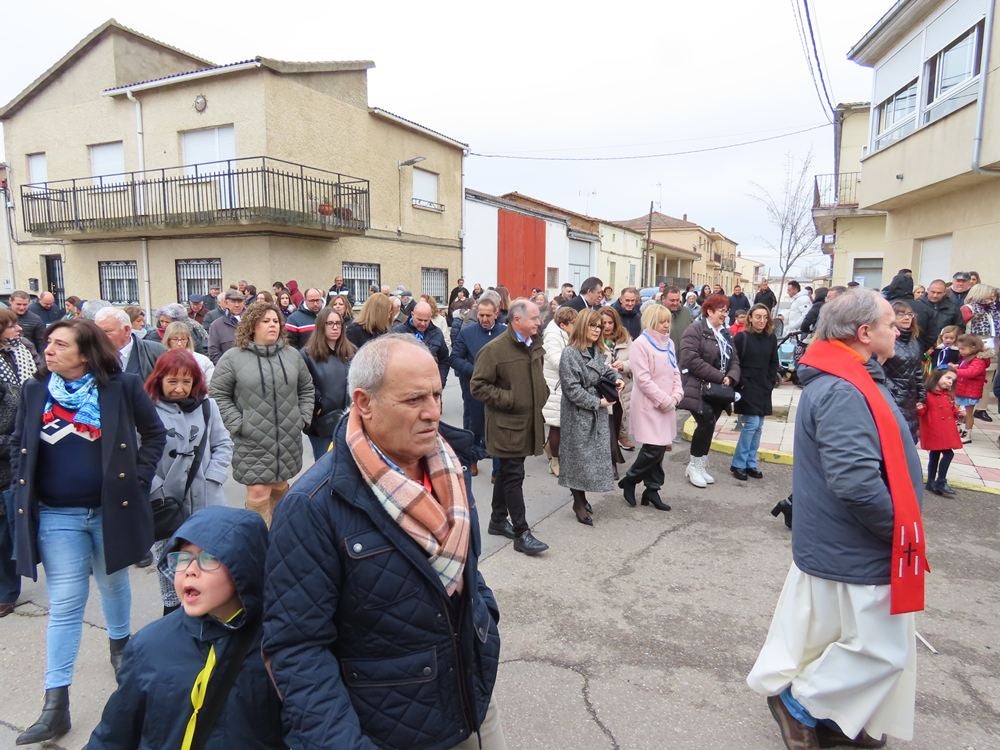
(399, 166)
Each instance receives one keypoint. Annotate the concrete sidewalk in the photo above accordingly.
(975, 467)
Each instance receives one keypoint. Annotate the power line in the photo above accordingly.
(649, 156)
(819, 67)
(800, 28)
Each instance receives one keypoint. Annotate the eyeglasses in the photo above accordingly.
(334, 324)
(904, 315)
(178, 339)
(598, 327)
(181, 561)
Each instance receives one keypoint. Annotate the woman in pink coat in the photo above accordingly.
(656, 391)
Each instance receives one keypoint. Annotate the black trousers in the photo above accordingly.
(508, 494)
(704, 421)
(648, 466)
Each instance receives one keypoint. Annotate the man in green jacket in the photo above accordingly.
(508, 379)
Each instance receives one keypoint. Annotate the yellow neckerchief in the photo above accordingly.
(198, 691)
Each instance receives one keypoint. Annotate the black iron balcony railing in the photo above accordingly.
(836, 190)
(250, 191)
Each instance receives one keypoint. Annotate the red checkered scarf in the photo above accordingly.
(438, 522)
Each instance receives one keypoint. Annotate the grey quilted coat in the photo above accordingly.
(265, 395)
(584, 431)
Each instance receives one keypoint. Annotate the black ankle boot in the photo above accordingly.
(652, 497)
(628, 490)
(117, 646)
(54, 721)
(784, 507)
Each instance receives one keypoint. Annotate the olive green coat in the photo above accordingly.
(508, 379)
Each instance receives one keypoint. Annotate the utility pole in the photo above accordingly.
(649, 246)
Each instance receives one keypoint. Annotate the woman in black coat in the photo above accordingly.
(757, 348)
(328, 356)
(904, 372)
(812, 315)
(707, 356)
(88, 440)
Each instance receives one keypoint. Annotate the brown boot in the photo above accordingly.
(829, 737)
(795, 734)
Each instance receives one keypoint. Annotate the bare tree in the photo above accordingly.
(790, 213)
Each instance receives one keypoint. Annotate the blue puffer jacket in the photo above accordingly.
(365, 646)
(152, 705)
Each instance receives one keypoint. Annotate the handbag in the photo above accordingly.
(170, 512)
(607, 391)
(717, 394)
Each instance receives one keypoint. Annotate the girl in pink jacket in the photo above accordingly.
(970, 379)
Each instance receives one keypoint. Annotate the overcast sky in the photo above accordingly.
(521, 78)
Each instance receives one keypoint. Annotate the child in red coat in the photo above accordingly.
(970, 379)
(938, 431)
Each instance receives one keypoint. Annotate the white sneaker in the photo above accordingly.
(693, 474)
(703, 468)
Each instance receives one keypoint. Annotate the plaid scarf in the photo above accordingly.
(438, 522)
(79, 396)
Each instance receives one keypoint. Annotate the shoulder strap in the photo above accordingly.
(200, 450)
(221, 683)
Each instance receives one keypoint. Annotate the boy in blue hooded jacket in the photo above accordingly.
(165, 686)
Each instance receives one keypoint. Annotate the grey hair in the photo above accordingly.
(91, 307)
(492, 297)
(518, 308)
(174, 311)
(369, 364)
(840, 319)
(106, 313)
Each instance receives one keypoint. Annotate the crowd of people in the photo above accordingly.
(146, 423)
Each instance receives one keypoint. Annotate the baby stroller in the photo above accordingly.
(790, 351)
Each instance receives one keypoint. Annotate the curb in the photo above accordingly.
(785, 459)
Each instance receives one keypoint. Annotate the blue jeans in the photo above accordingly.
(745, 456)
(320, 445)
(10, 581)
(71, 546)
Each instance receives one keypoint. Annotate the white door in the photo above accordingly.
(935, 259)
(206, 153)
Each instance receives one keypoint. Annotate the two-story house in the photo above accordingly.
(852, 236)
(154, 173)
(685, 252)
(932, 161)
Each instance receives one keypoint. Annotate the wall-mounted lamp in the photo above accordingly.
(900, 177)
(411, 161)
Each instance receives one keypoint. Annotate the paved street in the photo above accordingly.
(638, 633)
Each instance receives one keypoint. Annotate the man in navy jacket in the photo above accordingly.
(419, 325)
(367, 645)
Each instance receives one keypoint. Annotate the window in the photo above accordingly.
(949, 71)
(551, 277)
(195, 276)
(897, 116)
(935, 258)
(579, 261)
(359, 277)
(208, 145)
(106, 159)
(425, 190)
(868, 272)
(38, 168)
(612, 267)
(631, 274)
(119, 281)
(434, 283)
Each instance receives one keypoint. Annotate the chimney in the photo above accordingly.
(685, 217)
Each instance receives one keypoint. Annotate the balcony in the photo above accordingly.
(713, 260)
(728, 263)
(255, 194)
(835, 196)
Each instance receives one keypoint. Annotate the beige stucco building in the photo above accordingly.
(931, 150)
(153, 172)
(706, 256)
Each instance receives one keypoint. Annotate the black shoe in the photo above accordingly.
(54, 721)
(738, 473)
(117, 647)
(983, 415)
(146, 561)
(784, 507)
(932, 487)
(506, 529)
(652, 497)
(628, 490)
(755, 473)
(943, 488)
(528, 545)
(830, 737)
